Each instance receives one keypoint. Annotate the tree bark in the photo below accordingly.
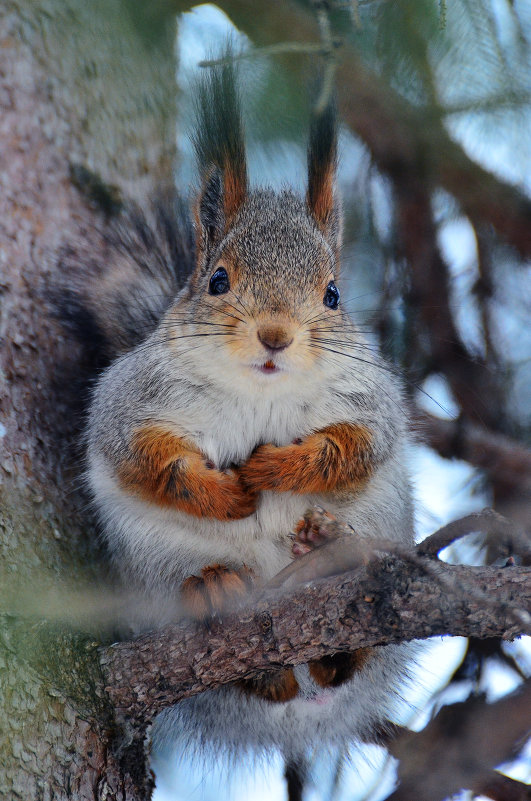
(76, 86)
(390, 600)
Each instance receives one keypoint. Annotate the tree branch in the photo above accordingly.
(502, 788)
(432, 327)
(457, 749)
(505, 459)
(392, 598)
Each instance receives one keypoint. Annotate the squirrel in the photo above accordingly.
(239, 393)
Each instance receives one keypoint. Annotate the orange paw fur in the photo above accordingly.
(331, 671)
(310, 533)
(278, 686)
(215, 590)
(171, 471)
(337, 457)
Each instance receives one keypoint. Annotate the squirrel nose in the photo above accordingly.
(274, 337)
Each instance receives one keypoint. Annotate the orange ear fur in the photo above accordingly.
(322, 162)
(234, 189)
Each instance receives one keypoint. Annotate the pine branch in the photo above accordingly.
(402, 138)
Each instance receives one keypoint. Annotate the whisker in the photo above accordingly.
(240, 301)
(389, 368)
(376, 363)
(372, 383)
(224, 311)
(353, 345)
(164, 340)
(195, 323)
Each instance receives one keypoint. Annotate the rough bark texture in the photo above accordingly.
(390, 600)
(54, 89)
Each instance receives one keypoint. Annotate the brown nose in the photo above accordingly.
(274, 337)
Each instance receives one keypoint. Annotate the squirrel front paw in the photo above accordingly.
(202, 490)
(215, 590)
(280, 468)
(335, 457)
(171, 471)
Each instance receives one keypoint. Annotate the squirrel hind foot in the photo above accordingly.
(277, 686)
(315, 528)
(215, 590)
(332, 671)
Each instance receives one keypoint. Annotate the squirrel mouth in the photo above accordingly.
(268, 367)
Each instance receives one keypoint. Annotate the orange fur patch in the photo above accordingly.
(277, 686)
(170, 471)
(331, 671)
(337, 457)
(234, 190)
(321, 196)
(215, 590)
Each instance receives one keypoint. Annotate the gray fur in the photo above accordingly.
(195, 390)
(204, 379)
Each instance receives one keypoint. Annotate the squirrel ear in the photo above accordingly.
(222, 195)
(220, 148)
(322, 163)
(210, 216)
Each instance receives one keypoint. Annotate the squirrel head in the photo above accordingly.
(267, 262)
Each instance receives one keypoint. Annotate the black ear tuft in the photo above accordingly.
(322, 164)
(220, 146)
(211, 214)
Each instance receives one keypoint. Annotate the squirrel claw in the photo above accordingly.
(215, 590)
(312, 530)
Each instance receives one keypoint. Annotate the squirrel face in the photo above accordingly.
(267, 293)
(263, 299)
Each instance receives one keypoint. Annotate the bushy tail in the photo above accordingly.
(112, 301)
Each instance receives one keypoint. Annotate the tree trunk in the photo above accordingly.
(77, 86)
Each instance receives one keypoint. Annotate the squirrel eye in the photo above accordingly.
(331, 297)
(219, 282)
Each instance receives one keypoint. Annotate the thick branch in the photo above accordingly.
(391, 599)
(506, 460)
(457, 750)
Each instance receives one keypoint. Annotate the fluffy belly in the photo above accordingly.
(166, 545)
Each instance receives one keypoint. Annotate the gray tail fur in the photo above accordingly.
(112, 301)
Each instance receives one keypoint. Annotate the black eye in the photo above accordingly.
(219, 282)
(331, 297)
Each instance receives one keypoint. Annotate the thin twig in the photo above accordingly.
(306, 48)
